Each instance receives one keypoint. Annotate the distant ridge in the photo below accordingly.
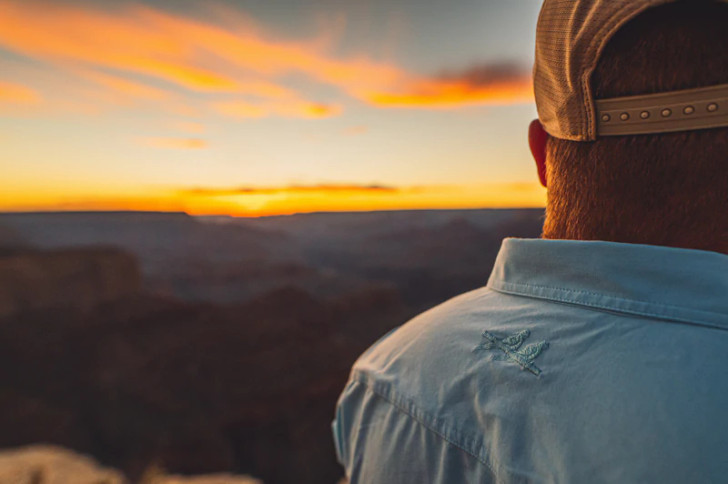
(422, 211)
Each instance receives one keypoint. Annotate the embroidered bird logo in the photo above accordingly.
(511, 347)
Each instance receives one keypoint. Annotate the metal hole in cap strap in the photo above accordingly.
(701, 108)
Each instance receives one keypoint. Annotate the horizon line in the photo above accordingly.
(316, 212)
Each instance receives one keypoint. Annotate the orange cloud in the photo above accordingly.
(126, 41)
(320, 188)
(253, 52)
(126, 86)
(291, 109)
(491, 84)
(12, 93)
(319, 110)
(448, 95)
(177, 143)
(231, 56)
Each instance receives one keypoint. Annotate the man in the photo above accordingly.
(598, 353)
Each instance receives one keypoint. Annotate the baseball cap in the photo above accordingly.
(570, 37)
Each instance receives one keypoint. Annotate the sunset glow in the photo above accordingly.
(168, 106)
(264, 201)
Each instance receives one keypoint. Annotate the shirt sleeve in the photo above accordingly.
(379, 443)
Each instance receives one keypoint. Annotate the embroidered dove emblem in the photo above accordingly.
(511, 347)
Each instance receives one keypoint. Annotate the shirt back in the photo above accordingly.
(578, 362)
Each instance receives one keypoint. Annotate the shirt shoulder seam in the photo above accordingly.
(407, 410)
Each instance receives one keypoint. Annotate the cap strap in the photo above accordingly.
(701, 108)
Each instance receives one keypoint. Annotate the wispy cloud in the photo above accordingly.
(14, 93)
(290, 109)
(125, 86)
(131, 41)
(149, 54)
(176, 143)
(290, 189)
(149, 44)
(479, 84)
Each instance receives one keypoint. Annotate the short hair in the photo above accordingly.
(662, 189)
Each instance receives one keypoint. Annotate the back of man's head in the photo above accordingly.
(663, 189)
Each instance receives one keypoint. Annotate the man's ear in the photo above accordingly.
(537, 137)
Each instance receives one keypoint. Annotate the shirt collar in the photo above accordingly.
(683, 285)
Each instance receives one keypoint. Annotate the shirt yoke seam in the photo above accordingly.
(361, 378)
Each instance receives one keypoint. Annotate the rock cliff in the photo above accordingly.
(79, 279)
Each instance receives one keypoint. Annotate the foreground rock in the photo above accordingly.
(48, 464)
(45, 464)
(206, 479)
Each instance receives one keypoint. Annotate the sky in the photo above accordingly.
(261, 107)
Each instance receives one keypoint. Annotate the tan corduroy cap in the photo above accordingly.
(570, 37)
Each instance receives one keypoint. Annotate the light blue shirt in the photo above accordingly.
(580, 361)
